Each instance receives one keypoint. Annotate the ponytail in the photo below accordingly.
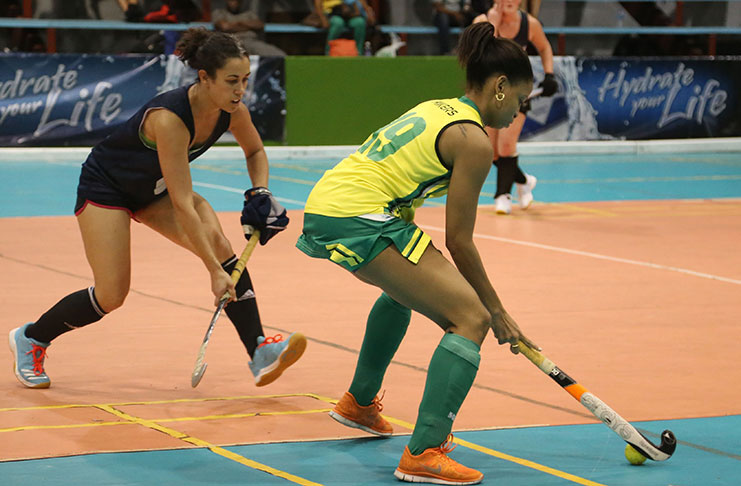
(208, 50)
(483, 55)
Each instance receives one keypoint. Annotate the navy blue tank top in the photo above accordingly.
(522, 35)
(125, 163)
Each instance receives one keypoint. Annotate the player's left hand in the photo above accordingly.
(261, 211)
(549, 85)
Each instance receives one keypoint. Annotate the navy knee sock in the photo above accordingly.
(505, 174)
(243, 313)
(76, 310)
(508, 172)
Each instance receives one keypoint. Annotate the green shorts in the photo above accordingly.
(353, 242)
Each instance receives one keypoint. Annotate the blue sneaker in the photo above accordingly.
(29, 355)
(273, 356)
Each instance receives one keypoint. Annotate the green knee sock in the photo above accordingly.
(452, 370)
(387, 324)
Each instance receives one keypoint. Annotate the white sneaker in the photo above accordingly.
(503, 204)
(525, 191)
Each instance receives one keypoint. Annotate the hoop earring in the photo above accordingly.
(499, 96)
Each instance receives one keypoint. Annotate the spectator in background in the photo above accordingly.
(574, 12)
(340, 16)
(648, 14)
(699, 14)
(450, 13)
(175, 11)
(171, 11)
(132, 10)
(246, 26)
(24, 40)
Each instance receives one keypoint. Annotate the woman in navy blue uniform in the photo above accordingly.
(512, 23)
(141, 172)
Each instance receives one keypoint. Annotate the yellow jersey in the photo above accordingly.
(397, 168)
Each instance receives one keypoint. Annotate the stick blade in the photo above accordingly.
(197, 375)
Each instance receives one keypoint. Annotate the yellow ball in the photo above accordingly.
(633, 456)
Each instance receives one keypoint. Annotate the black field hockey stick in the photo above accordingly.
(200, 367)
(602, 411)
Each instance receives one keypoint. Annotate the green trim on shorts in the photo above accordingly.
(353, 242)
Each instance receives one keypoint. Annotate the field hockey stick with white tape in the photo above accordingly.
(200, 367)
(534, 94)
(602, 411)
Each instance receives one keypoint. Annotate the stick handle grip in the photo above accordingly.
(536, 357)
(242, 262)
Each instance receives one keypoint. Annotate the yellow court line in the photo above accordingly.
(526, 463)
(163, 402)
(166, 419)
(298, 168)
(578, 209)
(292, 179)
(582, 209)
(67, 426)
(213, 448)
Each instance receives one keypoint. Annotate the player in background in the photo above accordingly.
(512, 23)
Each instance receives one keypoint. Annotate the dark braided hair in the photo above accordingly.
(208, 50)
(483, 55)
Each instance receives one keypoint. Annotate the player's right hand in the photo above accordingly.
(221, 284)
(506, 330)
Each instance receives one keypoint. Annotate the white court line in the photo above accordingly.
(241, 191)
(531, 244)
(298, 153)
(596, 255)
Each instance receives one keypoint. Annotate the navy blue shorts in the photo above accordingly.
(93, 189)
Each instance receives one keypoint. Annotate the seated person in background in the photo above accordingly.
(450, 13)
(246, 25)
(175, 11)
(172, 11)
(340, 15)
(24, 40)
(132, 10)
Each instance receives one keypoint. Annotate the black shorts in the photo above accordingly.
(93, 189)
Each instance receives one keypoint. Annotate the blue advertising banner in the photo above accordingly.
(635, 99)
(71, 99)
(63, 99)
(58, 100)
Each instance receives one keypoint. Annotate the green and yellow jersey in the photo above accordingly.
(397, 168)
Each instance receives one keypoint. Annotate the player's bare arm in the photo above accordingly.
(467, 148)
(540, 41)
(249, 140)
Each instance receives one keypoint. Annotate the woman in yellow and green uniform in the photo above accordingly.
(337, 16)
(360, 216)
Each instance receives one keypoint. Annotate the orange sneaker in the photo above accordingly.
(368, 418)
(434, 466)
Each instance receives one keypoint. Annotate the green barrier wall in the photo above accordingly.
(340, 101)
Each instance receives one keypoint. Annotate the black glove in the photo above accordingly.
(261, 211)
(549, 85)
